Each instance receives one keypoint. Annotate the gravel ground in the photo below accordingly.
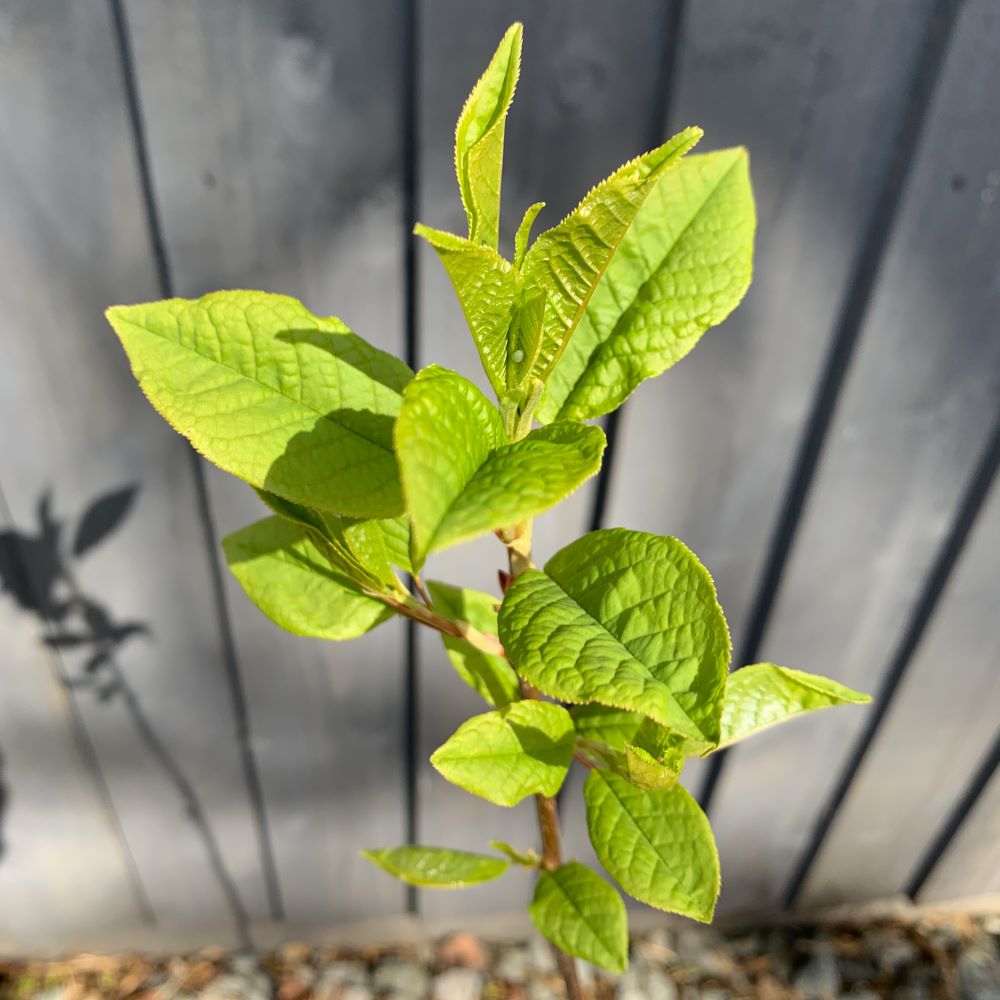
(944, 959)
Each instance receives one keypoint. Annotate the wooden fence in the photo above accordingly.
(175, 768)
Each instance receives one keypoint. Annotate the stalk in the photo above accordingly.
(519, 555)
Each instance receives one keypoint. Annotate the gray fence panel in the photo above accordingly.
(276, 157)
(102, 493)
(916, 412)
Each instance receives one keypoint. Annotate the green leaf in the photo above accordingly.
(286, 574)
(479, 139)
(491, 676)
(568, 261)
(460, 477)
(288, 401)
(762, 695)
(504, 756)
(611, 726)
(436, 867)
(657, 845)
(364, 550)
(682, 267)
(582, 915)
(626, 619)
(523, 233)
(489, 290)
(527, 859)
(634, 763)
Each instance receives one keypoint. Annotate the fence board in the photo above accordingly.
(275, 139)
(584, 105)
(135, 609)
(789, 80)
(915, 412)
(49, 890)
(971, 866)
(909, 781)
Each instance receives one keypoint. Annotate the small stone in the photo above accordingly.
(457, 984)
(340, 975)
(355, 993)
(889, 948)
(292, 988)
(819, 978)
(978, 975)
(542, 959)
(715, 993)
(645, 983)
(296, 952)
(513, 966)
(245, 963)
(539, 989)
(233, 986)
(401, 980)
(463, 949)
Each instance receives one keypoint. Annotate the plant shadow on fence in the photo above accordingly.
(37, 572)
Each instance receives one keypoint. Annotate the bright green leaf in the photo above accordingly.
(527, 859)
(634, 763)
(437, 867)
(460, 477)
(568, 261)
(291, 579)
(491, 676)
(626, 619)
(657, 845)
(523, 233)
(479, 139)
(682, 267)
(582, 915)
(290, 402)
(488, 289)
(365, 550)
(611, 726)
(507, 755)
(762, 695)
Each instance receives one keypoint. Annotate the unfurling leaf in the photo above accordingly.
(292, 580)
(479, 139)
(462, 479)
(567, 262)
(582, 915)
(489, 675)
(657, 845)
(523, 234)
(527, 859)
(488, 289)
(504, 756)
(682, 267)
(626, 619)
(762, 695)
(436, 867)
(290, 402)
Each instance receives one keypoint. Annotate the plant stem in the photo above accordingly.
(519, 554)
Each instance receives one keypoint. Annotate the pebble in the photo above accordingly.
(819, 978)
(401, 980)
(339, 974)
(542, 959)
(463, 949)
(979, 975)
(236, 986)
(513, 966)
(458, 984)
(643, 982)
(539, 989)
(355, 993)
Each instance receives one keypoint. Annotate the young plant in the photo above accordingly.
(615, 652)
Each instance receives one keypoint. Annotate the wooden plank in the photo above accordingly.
(275, 140)
(909, 783)
(916, 410)
(158, 710)
(971, 866)
(63, 867)
(584, 105)
(789, 80)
